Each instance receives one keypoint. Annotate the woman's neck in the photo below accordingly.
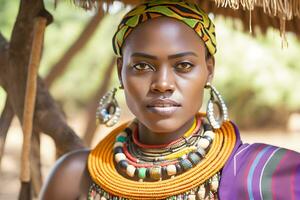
(146, 136)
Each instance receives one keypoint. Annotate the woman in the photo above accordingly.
(165, 61)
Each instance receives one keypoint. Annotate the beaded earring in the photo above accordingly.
(108, 111)
(216, 99)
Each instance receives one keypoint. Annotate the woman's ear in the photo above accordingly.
(119, 65)
(210, 64)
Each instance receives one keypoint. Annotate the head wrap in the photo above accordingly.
(183, 11)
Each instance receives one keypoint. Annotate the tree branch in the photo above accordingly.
(5, 121)
(62, 64)
(103, 87)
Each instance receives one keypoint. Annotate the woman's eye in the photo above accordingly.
(142, 67)
(184, 67)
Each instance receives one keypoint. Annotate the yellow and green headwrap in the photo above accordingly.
(186, 12)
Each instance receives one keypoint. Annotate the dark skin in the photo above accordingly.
(164, 86)
(163, 70)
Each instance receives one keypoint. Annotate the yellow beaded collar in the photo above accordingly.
(102, 170)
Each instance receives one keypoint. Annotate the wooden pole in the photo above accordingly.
(30, 96)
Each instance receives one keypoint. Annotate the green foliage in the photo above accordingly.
(8, 13)
(2, 98)
(256, 76)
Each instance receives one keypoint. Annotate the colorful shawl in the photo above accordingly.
(188, 13)
(260, 171)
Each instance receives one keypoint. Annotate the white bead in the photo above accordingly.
(130, 170)
(192, 197)
(171, 170)
(124, 134)
(210, 134)
(201, 193)
(119, 157)
(214, 185)
(184, 156)
(203, 143)
(201, 151)
(118, 144)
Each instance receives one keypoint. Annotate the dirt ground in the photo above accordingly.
(10, 166)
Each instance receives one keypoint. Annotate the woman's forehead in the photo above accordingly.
(163, 34)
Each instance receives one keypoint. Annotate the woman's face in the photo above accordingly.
(163, 71)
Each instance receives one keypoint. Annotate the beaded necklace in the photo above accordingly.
(164, 163)
(206, 191)
(190, 174)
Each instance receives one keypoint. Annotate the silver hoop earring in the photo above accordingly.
(216, 99)
(108, 112)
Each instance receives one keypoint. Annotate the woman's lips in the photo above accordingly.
(164, 107)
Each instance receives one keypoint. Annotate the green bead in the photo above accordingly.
(194, 158)
(121, 139)
(142, 173)
(186, 164)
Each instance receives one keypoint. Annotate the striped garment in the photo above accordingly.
(260, 171)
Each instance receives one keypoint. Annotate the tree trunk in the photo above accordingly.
(14, 60)
(48, 118)
(36, 164)
(26, 191)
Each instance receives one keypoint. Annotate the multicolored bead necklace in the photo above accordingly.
(134, 160)
(184, 172)
(206, 191)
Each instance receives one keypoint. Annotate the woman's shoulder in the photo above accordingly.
(68, 178)
(264, 157)
(73, 161)
(76, 157)
(246, 154)
(261, 171)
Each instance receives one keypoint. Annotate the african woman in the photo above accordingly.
(165, 63)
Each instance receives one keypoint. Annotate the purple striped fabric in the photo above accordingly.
(260, 171)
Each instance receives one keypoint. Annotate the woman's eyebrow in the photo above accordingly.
(189, 53)
(139, 54)
(178, 55)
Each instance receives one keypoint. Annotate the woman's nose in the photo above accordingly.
(163, 81)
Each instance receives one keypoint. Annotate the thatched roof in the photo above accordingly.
(256, 17)
(280, 14)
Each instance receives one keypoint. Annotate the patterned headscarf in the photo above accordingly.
(186, 12)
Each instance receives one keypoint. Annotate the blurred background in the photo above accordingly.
(258, 78)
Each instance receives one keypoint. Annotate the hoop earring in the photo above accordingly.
(108, 112)
(216, 98)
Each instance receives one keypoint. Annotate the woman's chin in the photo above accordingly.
(166, 125)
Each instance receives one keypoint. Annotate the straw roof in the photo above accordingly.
(283, 15)
(257, 17)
